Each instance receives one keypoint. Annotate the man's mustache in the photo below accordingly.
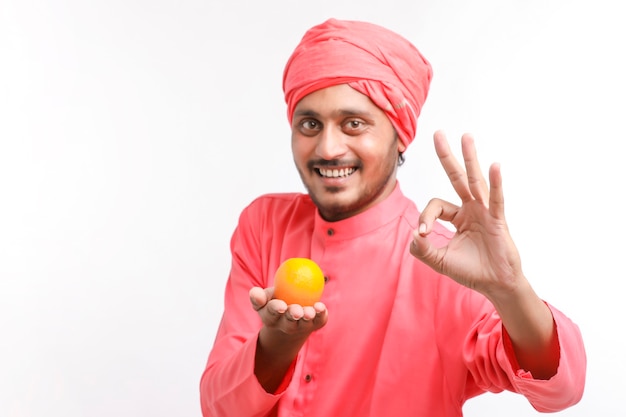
(332, 163)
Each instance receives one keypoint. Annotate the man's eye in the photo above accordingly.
(355, 124)
(309, 124)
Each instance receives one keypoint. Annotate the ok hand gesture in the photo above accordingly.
(481, 255)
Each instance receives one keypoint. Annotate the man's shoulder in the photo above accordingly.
(273, 198)
(276, 203)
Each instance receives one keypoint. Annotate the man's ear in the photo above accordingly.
(401, 147)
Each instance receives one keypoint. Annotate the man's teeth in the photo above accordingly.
(336, 173)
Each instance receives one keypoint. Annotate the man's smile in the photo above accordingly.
(335, 172)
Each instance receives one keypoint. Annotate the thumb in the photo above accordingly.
(259, 297)
(425, 251)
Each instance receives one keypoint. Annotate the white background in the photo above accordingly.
(133, 132)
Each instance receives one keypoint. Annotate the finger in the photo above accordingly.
(294, 312)
(319, 307)
(475, 179)
(321, 314)
(434, 210)
(454, 170)
(258, 298)
(496, 194)
(272, 312)
(316, 311)
(276, 307)
(309, 313)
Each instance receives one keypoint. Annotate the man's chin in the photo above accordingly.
(330, 196)
(334, 205)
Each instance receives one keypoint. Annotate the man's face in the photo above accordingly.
(345, 149)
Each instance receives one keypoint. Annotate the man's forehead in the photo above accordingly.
(340, 100)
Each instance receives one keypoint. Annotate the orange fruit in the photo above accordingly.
(299, 281)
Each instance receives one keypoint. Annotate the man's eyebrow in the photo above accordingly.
(338, 112)
(306, 112)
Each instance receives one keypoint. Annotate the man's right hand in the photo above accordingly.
(285, 329)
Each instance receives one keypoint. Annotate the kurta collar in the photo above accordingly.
(365, 222)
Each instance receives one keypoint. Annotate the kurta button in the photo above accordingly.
(308, 377)
(325, 278)
(330, 232)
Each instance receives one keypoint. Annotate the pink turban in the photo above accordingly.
(371, 59)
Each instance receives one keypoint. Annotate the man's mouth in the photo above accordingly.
(335, 172)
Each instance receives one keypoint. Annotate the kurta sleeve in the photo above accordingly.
(228, 386)
(491, 361)
(566, 387)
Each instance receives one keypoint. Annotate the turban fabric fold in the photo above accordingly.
(371, 59)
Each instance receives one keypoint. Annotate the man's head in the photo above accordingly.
(373, 60)
(354, 91)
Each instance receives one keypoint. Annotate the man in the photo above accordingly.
(414, 319)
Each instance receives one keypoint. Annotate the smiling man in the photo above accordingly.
(345, 149)
(414, 319)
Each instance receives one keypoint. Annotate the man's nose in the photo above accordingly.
(331, 144)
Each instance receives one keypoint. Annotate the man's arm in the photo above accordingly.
(482, 256)
(285, 329)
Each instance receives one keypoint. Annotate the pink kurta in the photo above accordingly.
(401, 340)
